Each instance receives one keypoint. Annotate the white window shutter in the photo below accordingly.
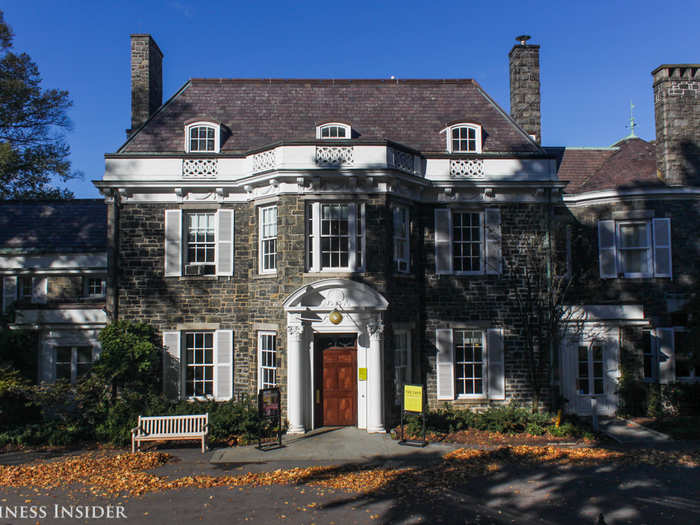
(173, 243)
(445, 364)
(39, 289)
(172, 365)
(9, 291)
(496, 363)
(223, 365)
(607, 256)
(492, 219)
(443, 241)
(662, 247)
(224, 242)
(667, 359)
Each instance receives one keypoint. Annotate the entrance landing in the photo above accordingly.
(333, 444)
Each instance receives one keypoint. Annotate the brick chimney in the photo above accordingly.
(525, 87)
(146, 79)
(677, 112)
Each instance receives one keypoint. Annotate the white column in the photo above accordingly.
(295, 380)
(375, 378)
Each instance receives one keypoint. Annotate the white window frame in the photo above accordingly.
(408, 356)
(656, 250)
(482, 242)
(187, 365)
(22, 283)
(73, 363)
(261, 367)
(652, 355)
(468, 125)
(356, 241)
(590, 368)
(484, 363)
(263, 240)
(103, 287)
(402, 262)
(649, 249)
(186, 243)
(203, 124)
(328, 125)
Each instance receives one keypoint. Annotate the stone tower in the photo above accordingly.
(146, 79)
(677, 112)
(525, 87)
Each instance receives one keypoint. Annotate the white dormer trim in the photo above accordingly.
(469, 126)
(346, 127)
(203, 124)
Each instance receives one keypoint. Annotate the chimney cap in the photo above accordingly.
(523, 39)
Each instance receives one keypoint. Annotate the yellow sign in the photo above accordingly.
(413, 398)
(362, 374)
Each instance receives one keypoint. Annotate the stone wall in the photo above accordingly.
(525, 88)
(677, 112)
(658, 295)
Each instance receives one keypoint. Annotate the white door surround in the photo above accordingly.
(308, 310)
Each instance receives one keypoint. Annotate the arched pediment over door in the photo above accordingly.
(327, 294)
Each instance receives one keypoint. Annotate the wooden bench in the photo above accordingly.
(165, 428)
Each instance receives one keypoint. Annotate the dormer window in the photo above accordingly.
(202, 137)
(333, 130)
(464, 138)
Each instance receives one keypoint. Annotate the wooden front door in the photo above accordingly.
(336, 384)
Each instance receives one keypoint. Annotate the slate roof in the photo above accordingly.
(627, 164)
(258, 112)
(70, 226)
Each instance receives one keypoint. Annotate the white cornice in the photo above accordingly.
(608, 196)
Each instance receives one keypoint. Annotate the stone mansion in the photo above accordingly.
(339, 238)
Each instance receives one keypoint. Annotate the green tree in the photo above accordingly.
(33, 150)
(130, 358)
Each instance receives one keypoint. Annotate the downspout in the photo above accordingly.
(113, 257)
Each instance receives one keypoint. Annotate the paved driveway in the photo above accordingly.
(516, 493)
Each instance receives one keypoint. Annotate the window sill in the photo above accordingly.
(265, 275)
(198, 277)
(329, 273)
(467, 397)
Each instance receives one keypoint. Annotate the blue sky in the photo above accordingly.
(596, 56)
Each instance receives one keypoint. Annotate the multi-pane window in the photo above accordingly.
(333, 131)
(95, 287)
(335, 236)
(267, 360)
(199, 376)
(202, 138)
(650, 357)
(401, 239)
(634, 248)
(589, 379)
(26, 288)
(469, 362)
(685, 362)
(467, 240)
(464, 139)
(402, 361)
(201, 245)
(268, 239)
(72, 362)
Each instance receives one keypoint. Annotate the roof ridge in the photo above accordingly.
(340, 80)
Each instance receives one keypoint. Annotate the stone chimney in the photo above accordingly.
(146, 79)
(525, 87)
(677, 112)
